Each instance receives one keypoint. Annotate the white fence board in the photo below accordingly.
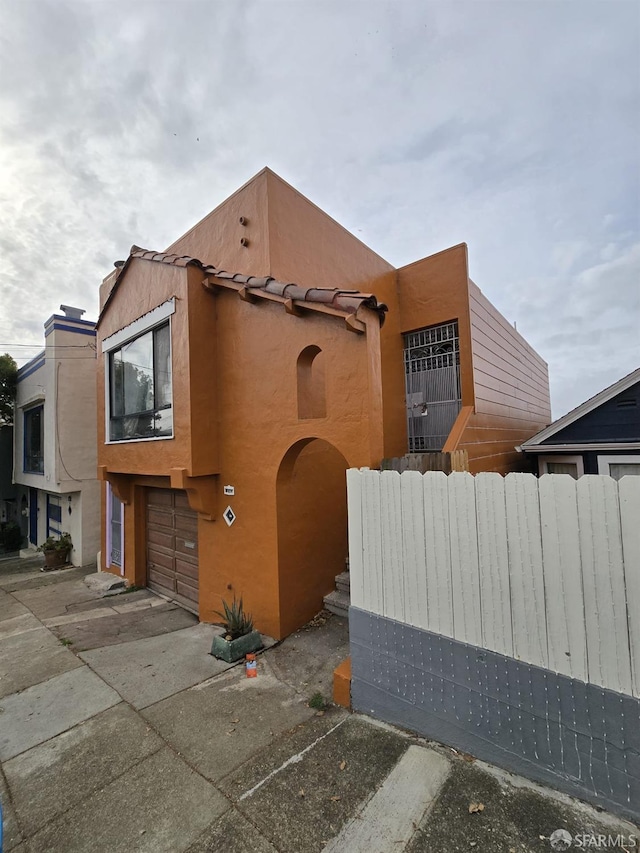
(493, 560)
(566, 631)
(463, 540)
(416, 600)
(547, 571)
(629, 494)
(391, 526)
(438, 553)
(604, 583)
(372, 599)
(528, 615)
(356, 543)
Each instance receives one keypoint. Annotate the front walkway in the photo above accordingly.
(119, 733)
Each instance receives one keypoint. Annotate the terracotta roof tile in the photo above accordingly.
(344, 301)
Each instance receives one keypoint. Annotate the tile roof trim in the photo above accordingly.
(326, 300)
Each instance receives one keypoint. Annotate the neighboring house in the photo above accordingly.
(601, 436)
(55, 438)
(8, 510)
(222, 386)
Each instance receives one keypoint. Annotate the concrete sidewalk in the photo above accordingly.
(119, 732)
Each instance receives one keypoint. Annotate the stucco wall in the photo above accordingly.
(235, 417)
(65, 385)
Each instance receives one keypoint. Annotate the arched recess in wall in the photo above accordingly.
(312, 402)
(311, 499)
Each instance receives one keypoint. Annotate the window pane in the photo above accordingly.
(563, 468)
(138, 374)
(624, 470)
(138, 426)
(162, 358)
(117, 384)
(54, 516)
(164, 422)
(33, 443)
(140, 379)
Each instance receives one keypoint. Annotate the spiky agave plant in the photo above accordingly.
(236, 622)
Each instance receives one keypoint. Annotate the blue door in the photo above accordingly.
(33, 516)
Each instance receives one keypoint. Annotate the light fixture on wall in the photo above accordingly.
(69, 499)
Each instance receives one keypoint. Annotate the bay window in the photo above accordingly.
(140, 397)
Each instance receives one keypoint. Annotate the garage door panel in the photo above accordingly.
(187, 547)
(187, 525)
(160, 539)
(158, 577)
(172, 546)
(186, 591)
(159, 517)
(189, 570)
(166, 559)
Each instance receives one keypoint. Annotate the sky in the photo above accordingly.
(511, 125)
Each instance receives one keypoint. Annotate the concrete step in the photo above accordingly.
(338, 603)
(343, 583)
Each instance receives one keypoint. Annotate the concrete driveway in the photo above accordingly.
(119, 732)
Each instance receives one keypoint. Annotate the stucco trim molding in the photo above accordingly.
(202, 491)
(139, 326)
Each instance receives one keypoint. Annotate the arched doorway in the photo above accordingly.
(312, 528)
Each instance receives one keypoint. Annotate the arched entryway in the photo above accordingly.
(312, 528)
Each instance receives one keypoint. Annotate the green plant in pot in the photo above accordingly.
(56, 551)
(240, 637)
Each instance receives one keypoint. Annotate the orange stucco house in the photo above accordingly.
(231, 401)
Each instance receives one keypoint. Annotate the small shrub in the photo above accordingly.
(63, 544)
(236, 622)
(317, 702)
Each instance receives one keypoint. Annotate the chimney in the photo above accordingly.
(72, 313)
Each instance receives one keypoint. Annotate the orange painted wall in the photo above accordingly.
(216, 238)
(236, 404)
(312, 529)
(291, 239)
(254, 400)
(503, 379)
(511, 390)
(146, 286)
(436, 290)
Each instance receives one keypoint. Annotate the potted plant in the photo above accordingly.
(56, 551)
(239, 638)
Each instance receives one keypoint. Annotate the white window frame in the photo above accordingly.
(557, 457)
(605, 461)
(139, 327)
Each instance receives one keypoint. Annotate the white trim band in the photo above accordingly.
(141, 325)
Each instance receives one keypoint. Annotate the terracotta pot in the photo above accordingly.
(55, 559)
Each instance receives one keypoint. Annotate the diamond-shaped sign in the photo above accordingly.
(229, 516)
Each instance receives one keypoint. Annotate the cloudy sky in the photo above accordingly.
(512, 125)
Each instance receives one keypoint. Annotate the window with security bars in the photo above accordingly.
(432, 384)
(114, 528)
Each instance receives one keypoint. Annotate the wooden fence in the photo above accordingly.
(458, 460)
(546, 570)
